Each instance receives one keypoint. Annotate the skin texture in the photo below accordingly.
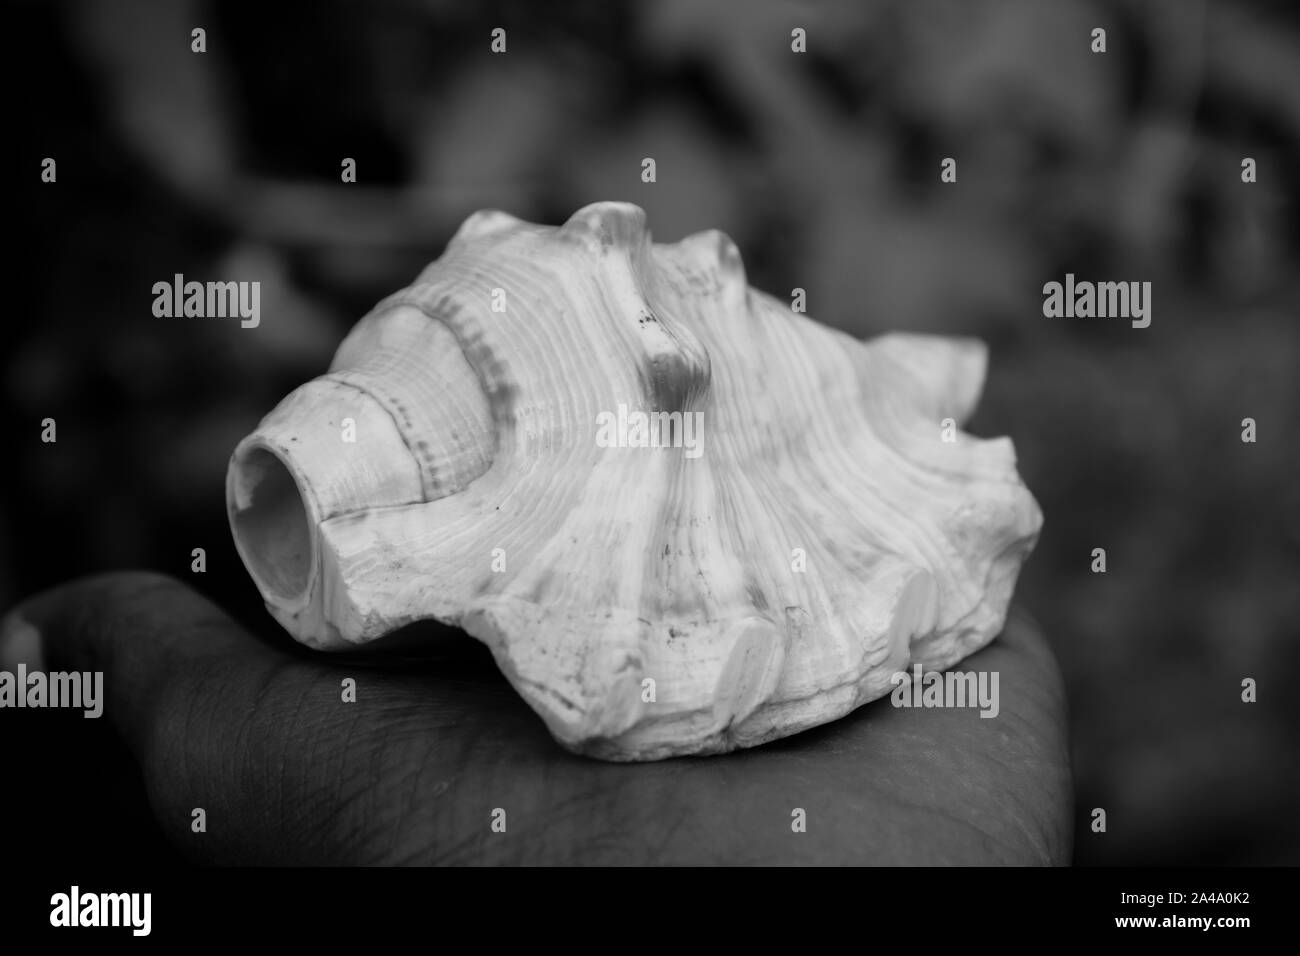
(411, 773)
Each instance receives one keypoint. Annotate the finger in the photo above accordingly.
(152, 638)
(181, 683)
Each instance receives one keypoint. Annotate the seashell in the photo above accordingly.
(822, 530)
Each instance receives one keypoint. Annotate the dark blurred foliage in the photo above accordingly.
(824, 169)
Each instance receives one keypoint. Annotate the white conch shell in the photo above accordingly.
(827, 530)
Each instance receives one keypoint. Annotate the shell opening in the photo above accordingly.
(271, 523)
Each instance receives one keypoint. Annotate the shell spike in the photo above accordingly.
(485, 222)
(608, 225)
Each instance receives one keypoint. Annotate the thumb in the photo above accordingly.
(154, 640)
(184, 686)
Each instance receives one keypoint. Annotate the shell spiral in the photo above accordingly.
(683, 517)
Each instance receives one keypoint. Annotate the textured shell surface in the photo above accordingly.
(683, 517)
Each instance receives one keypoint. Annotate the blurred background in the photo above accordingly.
(824, 168)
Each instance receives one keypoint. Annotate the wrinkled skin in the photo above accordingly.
(412, 771)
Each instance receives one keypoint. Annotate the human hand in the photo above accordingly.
(259, 736)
